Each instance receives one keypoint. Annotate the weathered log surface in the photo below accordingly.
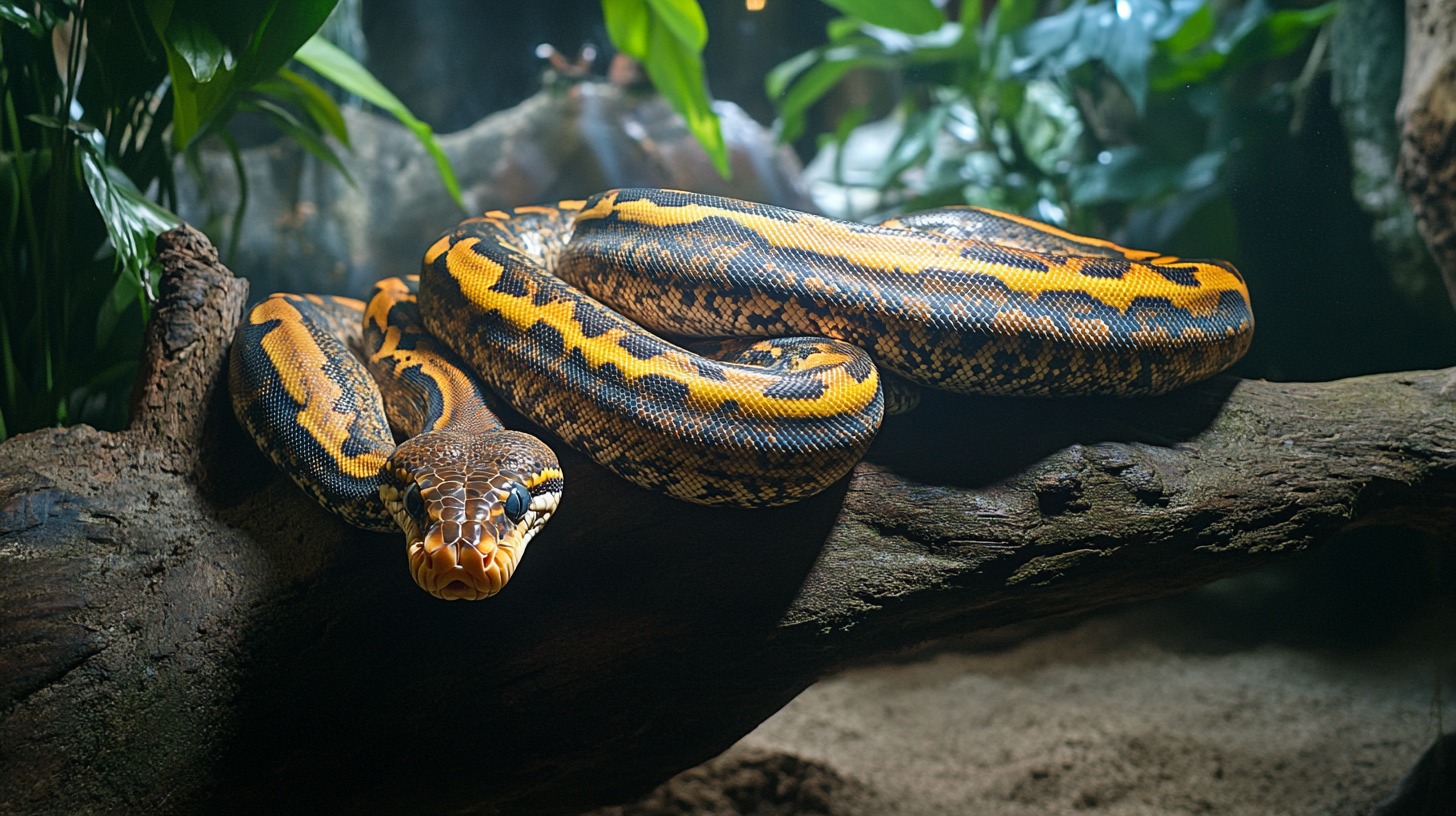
(182, 630)
(1427, 116)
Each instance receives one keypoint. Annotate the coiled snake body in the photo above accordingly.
(960, 299)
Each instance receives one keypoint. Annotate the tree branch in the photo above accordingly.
(183, 629)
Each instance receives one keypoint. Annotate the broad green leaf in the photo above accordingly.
(1192, 55)
(1290, 28)
(36, 19)
(1120, 34)
(1128, 48)
(684, 18)
(338, 67)
(1188, 71)
(1279, 33)
(286, 28)
(1128, 174)
(1049, 125)
(1196, 31)
(198, 47)
(677, 73)
(1011, 15)
(216, 51)
(132, 223)
(909, 16)
(629, 25)
(667, 37)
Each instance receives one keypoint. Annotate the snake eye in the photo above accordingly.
(518, 501)
(414, 504)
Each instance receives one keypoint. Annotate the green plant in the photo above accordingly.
(1080, 117)
(96, 101)
(667, 37)
(100, 97)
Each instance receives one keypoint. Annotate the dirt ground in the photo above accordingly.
(1308, 689)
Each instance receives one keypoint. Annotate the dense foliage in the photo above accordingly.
(98, 99)
(1125, 103)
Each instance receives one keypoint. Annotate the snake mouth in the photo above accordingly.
(464, 535)
(471, 561)
(456, 571)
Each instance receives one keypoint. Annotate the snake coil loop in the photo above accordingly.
(534, 302)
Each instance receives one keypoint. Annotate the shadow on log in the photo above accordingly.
(183, 630)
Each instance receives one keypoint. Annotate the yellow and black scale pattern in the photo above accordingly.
(534, 301)
(325, 384)
(933, 298)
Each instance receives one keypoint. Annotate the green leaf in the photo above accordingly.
(1012, 15)
(909, 16)
(667, 37)
(677, 73)
(812, 85)
(778, 78)
(294, 88)
(299, 132)
(945, 55)
(277, 36)
(1290, 28)
(1195, 52)
(132, 223)
(1120, 35)
(198, 46)
(1196, 31)
(684, 18)
(338, 67)
(628, 25)
(37, 19)
(217, 51)
(1278, 33)
(1136, 174)
(845, 29)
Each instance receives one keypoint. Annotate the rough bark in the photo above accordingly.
(183, 630)
(1427, 113)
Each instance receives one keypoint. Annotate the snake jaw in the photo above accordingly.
(468, 550)
(459, 570)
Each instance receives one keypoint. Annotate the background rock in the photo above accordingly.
(306, 228)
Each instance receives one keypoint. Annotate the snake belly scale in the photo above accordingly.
(535, 301)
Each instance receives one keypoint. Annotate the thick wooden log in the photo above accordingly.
(183, 630)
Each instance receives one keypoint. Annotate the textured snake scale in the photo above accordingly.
(535, 302)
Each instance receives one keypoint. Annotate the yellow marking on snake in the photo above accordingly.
(547, 305)
(910, 253)
(745, 387)
(290, 346)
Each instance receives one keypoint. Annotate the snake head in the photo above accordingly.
(469, 505)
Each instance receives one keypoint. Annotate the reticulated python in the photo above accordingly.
(532, 301)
